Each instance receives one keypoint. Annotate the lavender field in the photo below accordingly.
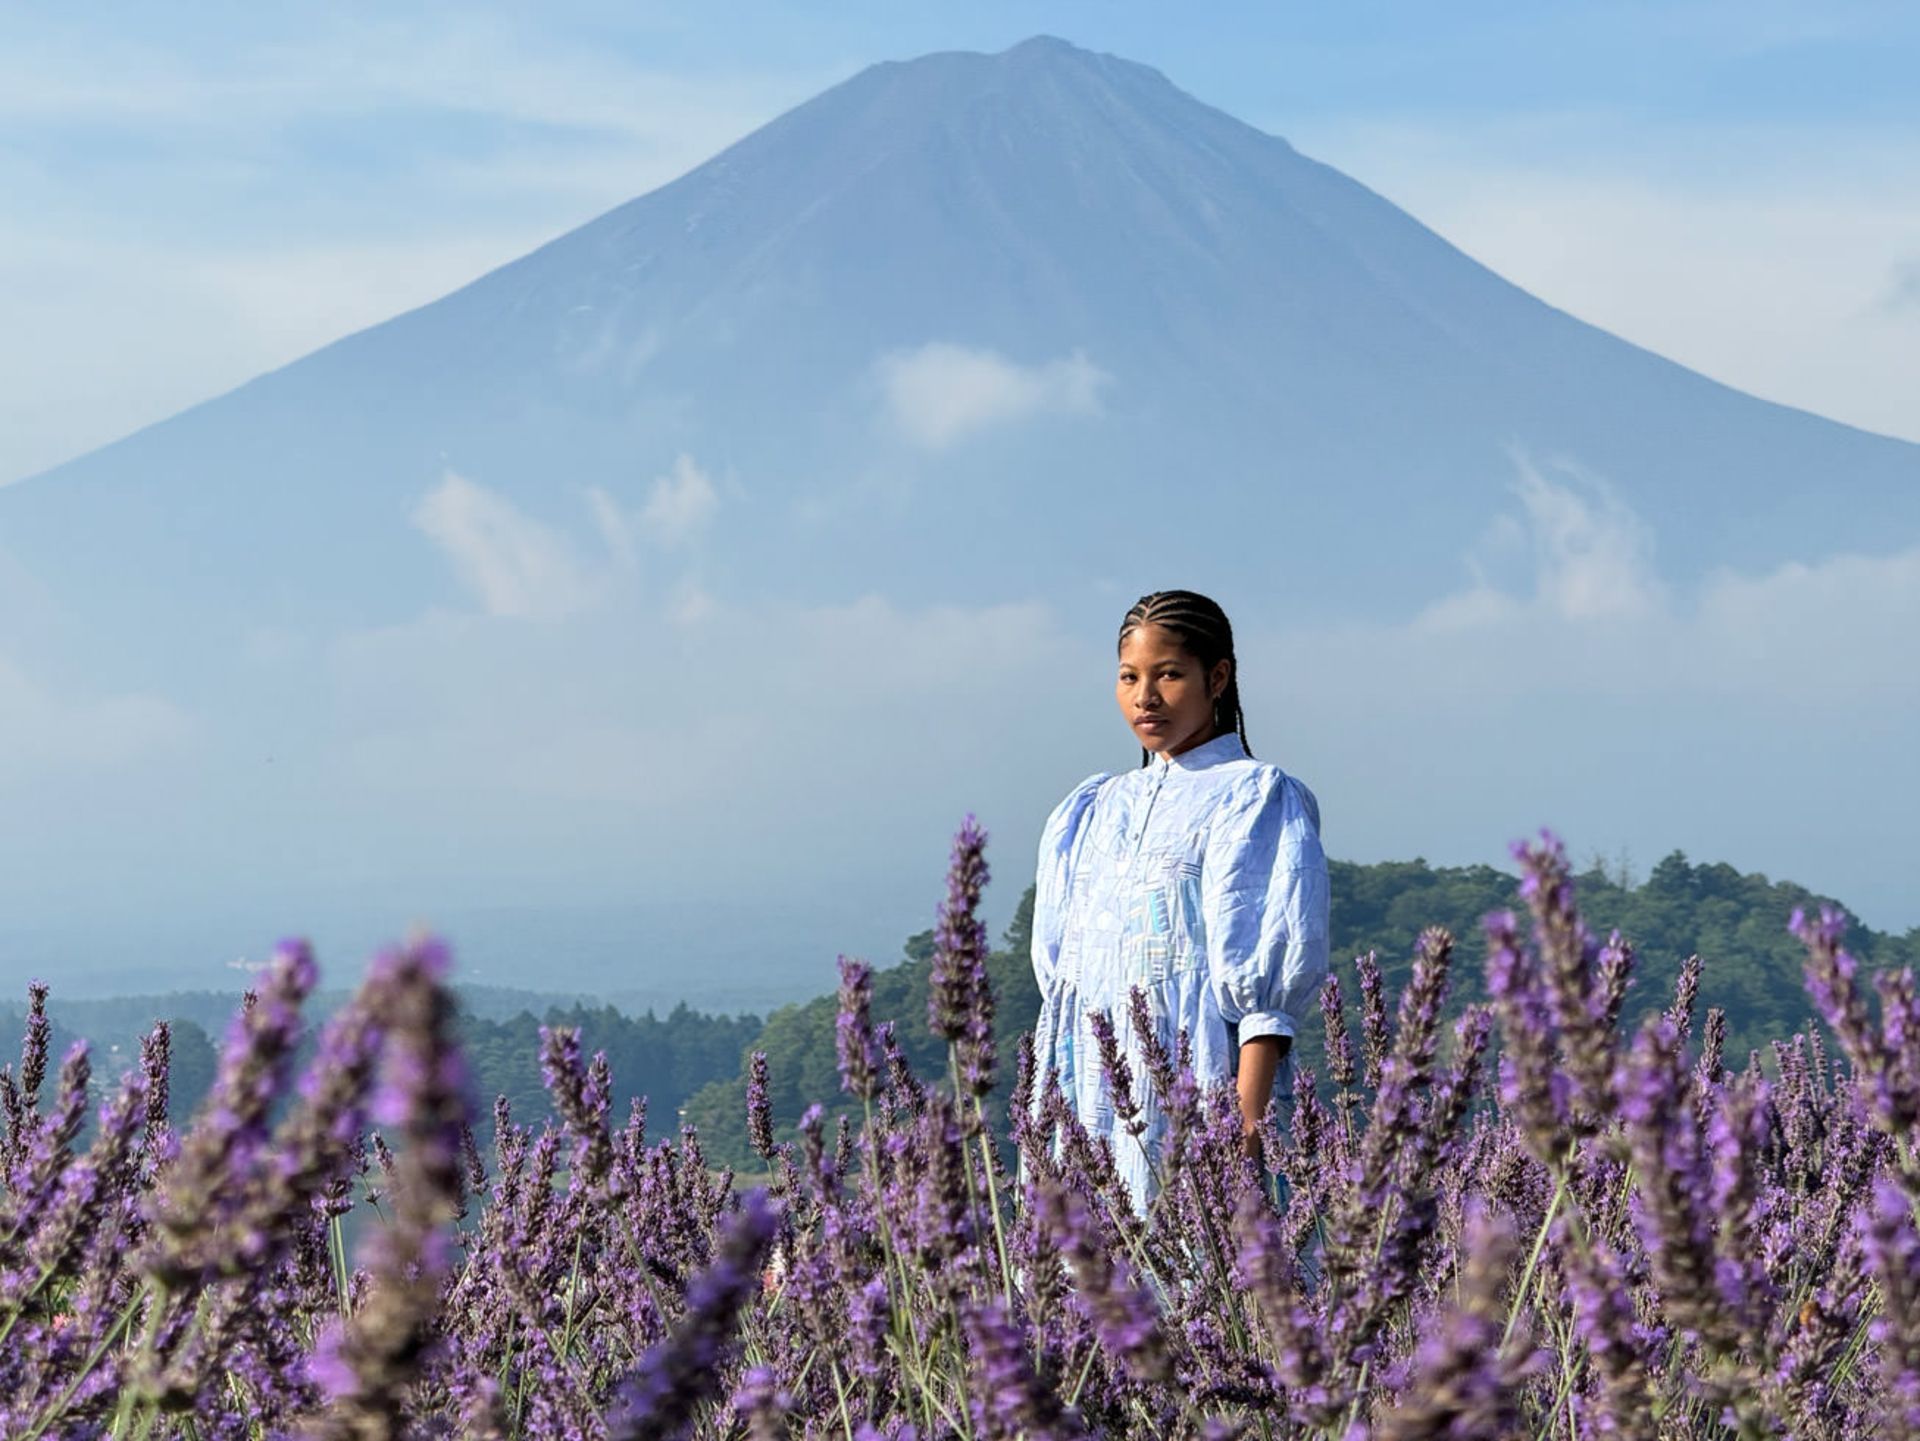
(1524, 1224)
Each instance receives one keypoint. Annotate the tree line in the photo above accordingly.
(693, 1063)
(664, 1058)
(1736, 922)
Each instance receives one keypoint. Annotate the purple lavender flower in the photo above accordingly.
(384, 1158)
(1316, 1150)
(759, 1108)
(582, 1100)
(1465, 1381)
(365, 1368)
(474, 1166)
(1532, 1085)
(1604, 1319)
(869, 1314)
(1333, 1018)
(1686, 995)
(1582, 988)
(1831, 981)
(761, 1402)
(853, 1030)
(1157, 1060)
(1418, 1020)
(677, 1376)
(1713, 1045)
(231, 1129)
(905, 1087)
(1116, 1072)
(959, 999)
(56, 1234)
(1616, 978)
(1007, 1399)
(1672, 1178)
(1748, 1272)
(33, 1047)
(1123, 1315)
(156, 1063)
(1886, 1056)
(1374, 1040)
(1380, 1225)
(313, 1146)
(1893, 1249)
(14, 1113)
(46, 1148)
(1264, 1264)
(1739, 1134)
(1456, 1093)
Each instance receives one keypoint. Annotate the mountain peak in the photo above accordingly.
(1043, 45)
(1052, 50)
(1049, 54)
(1035, 50)
(1041, 67)
(1055, 254)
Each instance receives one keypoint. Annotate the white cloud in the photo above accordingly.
(941, 393)
(615, 529)
(1593, 556)
(1583, 552)
(297, 70)
(1843, 628)
(680, 503)
(678, 507)
(515, 565)
(46, 730)
(1849, 619)
(1591, 597)
(797, 745)
(1766, 719)
(1903, 288)
(692, 606)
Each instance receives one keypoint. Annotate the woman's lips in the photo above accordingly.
(1150, 723)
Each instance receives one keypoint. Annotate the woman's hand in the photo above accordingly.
(1259, 1063)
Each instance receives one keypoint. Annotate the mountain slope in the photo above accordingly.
(1277, 343)
(796, 503)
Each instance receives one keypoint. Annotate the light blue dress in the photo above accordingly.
(1199, 879)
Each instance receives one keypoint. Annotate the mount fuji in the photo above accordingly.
(660, 596)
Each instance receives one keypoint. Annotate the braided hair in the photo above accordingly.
(1204, 632)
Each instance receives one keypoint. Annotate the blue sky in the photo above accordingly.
(197, 195)
(200, 194)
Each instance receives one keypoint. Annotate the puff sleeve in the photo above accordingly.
(1264, 903)
(1059, 845)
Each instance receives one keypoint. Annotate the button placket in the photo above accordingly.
(1146, 813)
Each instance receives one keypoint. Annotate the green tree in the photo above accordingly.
(1736, 922)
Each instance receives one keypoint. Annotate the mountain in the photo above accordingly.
(1282, 344)
(962, 331)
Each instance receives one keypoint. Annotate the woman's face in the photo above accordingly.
(1163, 692)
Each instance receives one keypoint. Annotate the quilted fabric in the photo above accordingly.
(1198, 879)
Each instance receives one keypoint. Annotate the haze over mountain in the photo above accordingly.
(669, 592)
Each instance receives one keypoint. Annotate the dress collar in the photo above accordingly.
(1211, 753)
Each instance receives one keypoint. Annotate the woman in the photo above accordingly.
(1197, 878)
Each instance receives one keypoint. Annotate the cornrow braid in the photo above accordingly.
(1203, 630)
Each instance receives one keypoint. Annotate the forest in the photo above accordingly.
(695, 1062)
(665, 1059)
(1736, 923)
